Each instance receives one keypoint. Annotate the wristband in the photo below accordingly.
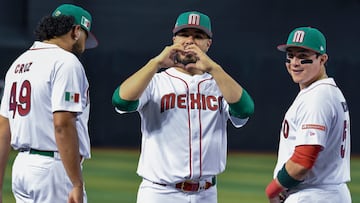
(286, 180)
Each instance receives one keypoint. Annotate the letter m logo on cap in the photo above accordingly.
(194, 19)
(299, 36)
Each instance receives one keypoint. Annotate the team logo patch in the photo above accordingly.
(85, 22)
(299, 36)
(194, 19)
(57, 13)
(72, 97)
(313, 126)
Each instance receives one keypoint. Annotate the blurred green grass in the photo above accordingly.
(110, 176)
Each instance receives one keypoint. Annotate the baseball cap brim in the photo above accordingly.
(284, 47)
(177, 29)
(91, 41)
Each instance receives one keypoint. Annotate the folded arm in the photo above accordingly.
(293, 171)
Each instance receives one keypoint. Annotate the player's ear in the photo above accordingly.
(76, 32)
(209, 43)
(324, 58)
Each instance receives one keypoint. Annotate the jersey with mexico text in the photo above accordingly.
(41, 81)
(319, 116)
(184, 128)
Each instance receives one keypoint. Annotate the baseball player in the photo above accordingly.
(184, 112)
(314, 152)
(45, 110)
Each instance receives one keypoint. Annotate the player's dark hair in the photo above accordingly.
(50, 27)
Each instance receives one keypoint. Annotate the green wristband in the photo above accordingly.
(286, 180)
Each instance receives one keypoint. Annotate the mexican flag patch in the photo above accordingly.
(72, 97)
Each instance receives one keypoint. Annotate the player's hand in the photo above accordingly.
(275, 200)
(167, 58)
(280, 198)
(76, 195)
(203, 62)
(275, 192)
(283, 195)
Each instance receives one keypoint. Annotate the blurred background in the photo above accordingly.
(246, 34)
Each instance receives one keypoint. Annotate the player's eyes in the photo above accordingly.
(290, 56)
(299, 56)
(195, 36)
(200, 36)
(183, 34)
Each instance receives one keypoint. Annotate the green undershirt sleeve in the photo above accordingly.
(244, 108)
(122, 104)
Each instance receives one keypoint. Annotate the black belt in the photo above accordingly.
(192, 186)
(40, 152)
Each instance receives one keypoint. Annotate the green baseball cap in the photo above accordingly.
(82, 18)
(193, 19)
(305, 37)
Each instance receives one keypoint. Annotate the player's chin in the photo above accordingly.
(297, 78)
(193, 69)
(190, 66)
(78, 49)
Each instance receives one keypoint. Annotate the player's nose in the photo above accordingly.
(294, 61)
(189, 41)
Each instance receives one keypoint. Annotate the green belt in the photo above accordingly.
(213, 180)
(44, 153)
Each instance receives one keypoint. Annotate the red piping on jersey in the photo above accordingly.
(189, 123)
(200, 126)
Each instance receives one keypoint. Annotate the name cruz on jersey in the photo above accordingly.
(22, 68)
(197, 101)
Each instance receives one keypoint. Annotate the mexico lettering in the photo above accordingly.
(193, 101)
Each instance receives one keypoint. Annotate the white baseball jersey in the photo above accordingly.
(41, 81)
(319, 116)
(184, 125)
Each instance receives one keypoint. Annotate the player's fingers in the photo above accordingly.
(171, 51)
(177, 47)
(274, 200)
(193, 48)
(282, 196)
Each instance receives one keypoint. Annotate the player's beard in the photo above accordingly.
(186, 59)
(77, 49)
